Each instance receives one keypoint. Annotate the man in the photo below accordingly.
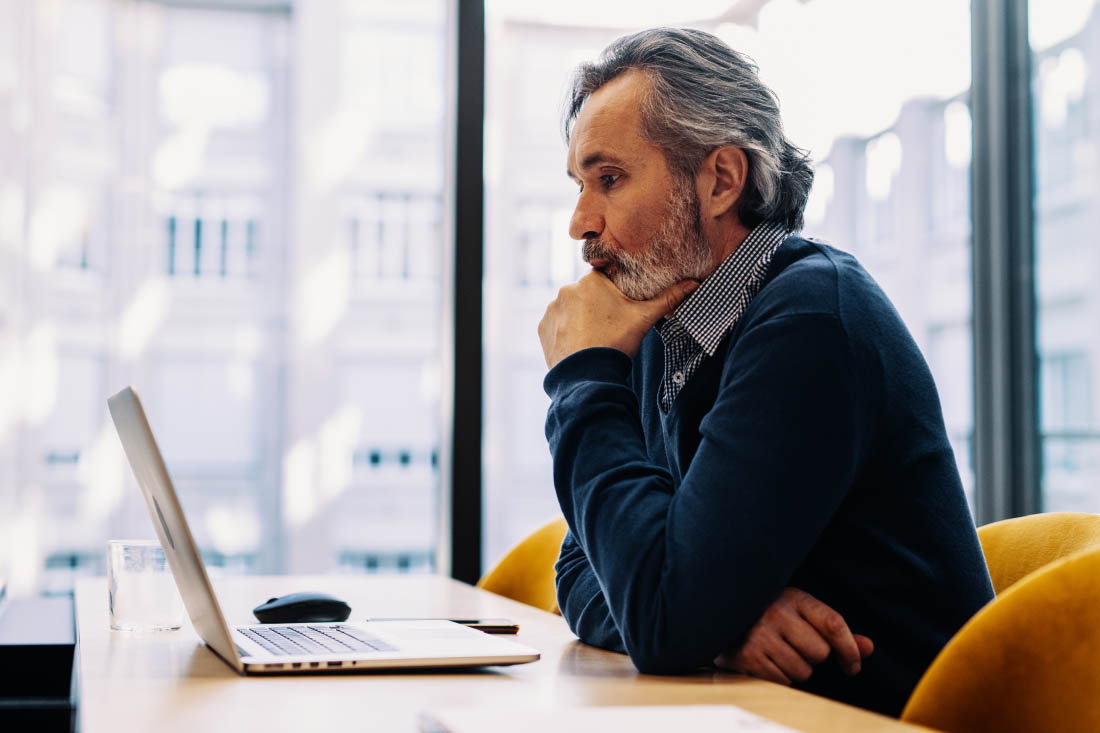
(747, 444)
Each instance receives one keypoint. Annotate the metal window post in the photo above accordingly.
(460, 509)
(1006, 436)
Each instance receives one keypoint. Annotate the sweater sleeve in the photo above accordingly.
(581, 600)
(685, 570)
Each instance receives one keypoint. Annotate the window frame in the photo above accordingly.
(1007, 458)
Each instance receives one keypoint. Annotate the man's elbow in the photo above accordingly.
(593, 628)
(664, 659)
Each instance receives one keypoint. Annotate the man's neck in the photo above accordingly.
(730, 239)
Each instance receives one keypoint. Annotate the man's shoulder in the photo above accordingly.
(804, 277)
(809, 276)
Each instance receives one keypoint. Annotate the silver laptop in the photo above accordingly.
(281, 648)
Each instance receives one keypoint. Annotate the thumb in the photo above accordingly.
(668, 299)
(866, 646)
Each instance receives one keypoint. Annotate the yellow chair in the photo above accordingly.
(1028, 661)
(1015, 547)
(526, 572)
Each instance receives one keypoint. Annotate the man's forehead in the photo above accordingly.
(609, 124)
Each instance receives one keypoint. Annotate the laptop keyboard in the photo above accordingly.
(295, 640)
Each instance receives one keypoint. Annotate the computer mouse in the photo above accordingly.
(296, 608)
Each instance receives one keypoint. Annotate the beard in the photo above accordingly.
(678, 251)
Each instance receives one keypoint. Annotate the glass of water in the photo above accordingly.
(141, 592)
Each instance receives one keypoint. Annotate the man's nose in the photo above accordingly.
(587, 221)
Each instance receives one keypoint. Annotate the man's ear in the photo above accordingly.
(724, 171)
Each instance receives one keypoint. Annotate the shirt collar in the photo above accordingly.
(715, 306)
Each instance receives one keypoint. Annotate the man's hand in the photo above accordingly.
(796, 633)
(593, 312)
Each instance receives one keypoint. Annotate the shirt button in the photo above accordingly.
(678, 378)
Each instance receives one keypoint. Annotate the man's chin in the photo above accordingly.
(636, 291)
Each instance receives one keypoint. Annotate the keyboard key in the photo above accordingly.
(310, 640)
(266, 645)
(372, 642)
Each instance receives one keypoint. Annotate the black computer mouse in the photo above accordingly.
(295, 608)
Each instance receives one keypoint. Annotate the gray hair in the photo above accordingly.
(704, 95)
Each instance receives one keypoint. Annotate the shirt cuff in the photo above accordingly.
(596, 364)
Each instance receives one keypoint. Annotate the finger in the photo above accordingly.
(806, 640)
(866, 646)
(788, 660)
(831, 625)
(772, 671)
(759, 666)
(666, 301)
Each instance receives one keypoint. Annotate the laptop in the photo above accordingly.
(283, 648)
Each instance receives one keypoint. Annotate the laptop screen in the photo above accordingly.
(171, 525)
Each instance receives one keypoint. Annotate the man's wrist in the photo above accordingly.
(594, 364)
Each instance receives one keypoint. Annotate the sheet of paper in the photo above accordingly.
(637, 719)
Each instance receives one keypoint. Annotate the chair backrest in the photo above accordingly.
(1028, 661)
(1015, 547)
(526, 572)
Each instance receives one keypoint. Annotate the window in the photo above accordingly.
(240, 209)
(237, 209)
(210, 238)
(394, 239)
(1064, 60)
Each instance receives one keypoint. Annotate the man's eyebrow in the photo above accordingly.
(597, 158)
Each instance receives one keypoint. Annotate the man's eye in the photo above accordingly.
(609, 180)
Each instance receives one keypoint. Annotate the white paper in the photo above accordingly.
(637, 719)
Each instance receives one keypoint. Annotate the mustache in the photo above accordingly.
(595, 249)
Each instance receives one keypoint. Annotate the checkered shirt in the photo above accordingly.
(698, 325)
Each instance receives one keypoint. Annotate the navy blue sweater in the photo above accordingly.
(810, 451)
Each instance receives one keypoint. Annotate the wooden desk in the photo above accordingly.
(170, 681)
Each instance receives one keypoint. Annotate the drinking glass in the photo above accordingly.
(141, 592)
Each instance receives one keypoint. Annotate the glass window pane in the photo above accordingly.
(239, 211)
(1064, 43)
(892, 156)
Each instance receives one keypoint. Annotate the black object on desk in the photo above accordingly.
(488, 625)
(37, 650)
(300, 608)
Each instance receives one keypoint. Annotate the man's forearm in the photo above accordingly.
(582, 602)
